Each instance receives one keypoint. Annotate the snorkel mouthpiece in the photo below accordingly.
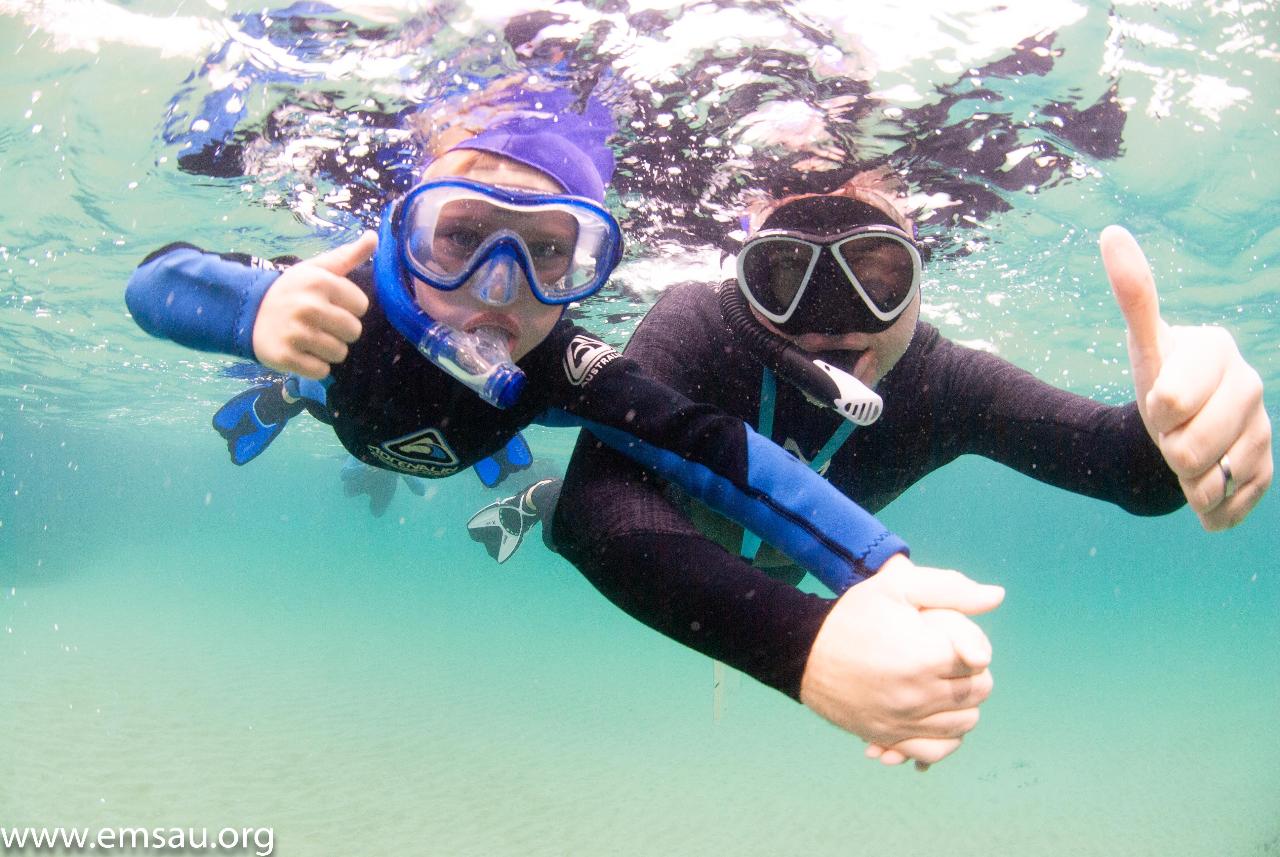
(824, 384)
(480, 360)
(854, 400)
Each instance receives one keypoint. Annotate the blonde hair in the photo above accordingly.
(437, 131)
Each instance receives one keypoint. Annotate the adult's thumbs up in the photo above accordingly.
(1199, 399)
(1135, 291)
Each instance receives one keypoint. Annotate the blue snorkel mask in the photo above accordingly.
(450, 233)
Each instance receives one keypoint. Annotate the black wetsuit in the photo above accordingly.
(392, 408)
(941, 401)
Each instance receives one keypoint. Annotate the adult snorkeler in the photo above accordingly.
(835, 278)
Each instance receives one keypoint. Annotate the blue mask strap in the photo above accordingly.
(750, 545)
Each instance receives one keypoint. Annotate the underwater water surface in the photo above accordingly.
(188, 643)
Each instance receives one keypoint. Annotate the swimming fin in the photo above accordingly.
(512, 458)
(254, 418)
(502, 526)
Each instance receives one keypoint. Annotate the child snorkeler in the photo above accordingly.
(473, 268)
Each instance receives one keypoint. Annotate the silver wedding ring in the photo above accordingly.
(1228, 478)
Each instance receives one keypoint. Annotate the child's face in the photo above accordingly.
(525, 319)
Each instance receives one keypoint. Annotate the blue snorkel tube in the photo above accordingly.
(478, 361)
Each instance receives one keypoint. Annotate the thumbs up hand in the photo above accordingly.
(1200, 401)
(312, 313)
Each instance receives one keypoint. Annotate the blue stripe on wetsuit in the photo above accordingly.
(782, 500)
(751, 542)
(198, 299)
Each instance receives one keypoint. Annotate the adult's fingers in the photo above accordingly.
(1252, 469)
(971, 646)
(884, 755)
(926, 587)
(1198, 361)
(926, 751)
(1223, 419)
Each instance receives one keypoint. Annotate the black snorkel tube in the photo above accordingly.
(824, 384)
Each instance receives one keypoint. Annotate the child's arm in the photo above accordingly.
(298, 320)
(201, 300)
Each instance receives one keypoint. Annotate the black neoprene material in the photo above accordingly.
(942, 400)
(392, 408)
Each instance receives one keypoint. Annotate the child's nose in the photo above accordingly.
(497, 282)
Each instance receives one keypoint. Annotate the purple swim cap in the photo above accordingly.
(551, 153)
(556, 133)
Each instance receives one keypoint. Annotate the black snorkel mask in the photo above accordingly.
(822, 264)
(829, 264)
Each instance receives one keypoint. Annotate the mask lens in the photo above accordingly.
(449, 230)
(774, 269)
(884, 266)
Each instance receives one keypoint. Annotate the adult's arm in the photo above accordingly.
(893, 660)
(1200, 400)
(984, 405)
(615, 523)
(722, 462)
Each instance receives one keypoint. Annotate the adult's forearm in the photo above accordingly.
(618, 528)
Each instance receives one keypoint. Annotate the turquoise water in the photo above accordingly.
(183, 642)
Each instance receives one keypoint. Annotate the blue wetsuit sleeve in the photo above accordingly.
(719, 460)
(198, 299)
(773, 495)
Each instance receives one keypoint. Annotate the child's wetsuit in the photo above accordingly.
(392, 408)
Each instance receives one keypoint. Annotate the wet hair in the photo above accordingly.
(879, 189)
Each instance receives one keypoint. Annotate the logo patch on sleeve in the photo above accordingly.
(423, 452)
(585, 357)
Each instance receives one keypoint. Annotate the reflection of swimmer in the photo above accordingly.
(473, 269)
(837, 276)
(704, 119)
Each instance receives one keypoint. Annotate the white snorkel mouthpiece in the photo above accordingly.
(855, 401)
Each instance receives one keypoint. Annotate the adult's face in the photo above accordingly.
(844, 330)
